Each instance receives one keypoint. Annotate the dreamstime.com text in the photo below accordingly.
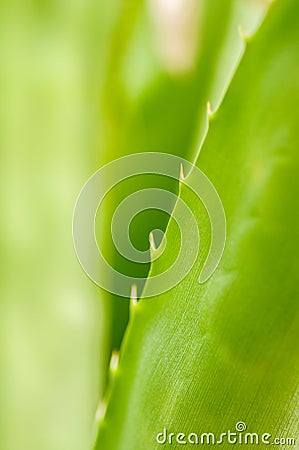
(239, 435)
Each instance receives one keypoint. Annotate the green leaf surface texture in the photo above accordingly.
(149, 106)
(201, 358)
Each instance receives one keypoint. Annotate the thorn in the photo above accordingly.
(114, 360)
(243, 33)
(182, 175)
(152, 241)
(209, 109)
(133, 295)
(101, 411)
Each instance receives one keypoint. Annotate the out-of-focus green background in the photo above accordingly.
(51, 320)
(81, 83)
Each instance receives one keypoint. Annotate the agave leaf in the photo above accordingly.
(203, 357)
(147, 107)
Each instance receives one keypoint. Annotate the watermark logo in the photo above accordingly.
(241, 426)
(89, 203)
(237, 436)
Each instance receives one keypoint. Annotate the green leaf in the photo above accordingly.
(201, 358)
(148, 106)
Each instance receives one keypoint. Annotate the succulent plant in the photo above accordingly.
(176, 99)
(203, 358)
(82, 84)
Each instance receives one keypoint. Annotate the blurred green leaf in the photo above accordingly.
(51, 323)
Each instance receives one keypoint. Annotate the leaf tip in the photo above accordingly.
(152, 241)
(133, 295)
(182, 174)
(243, 33)
(114, 360)
(101, 411)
